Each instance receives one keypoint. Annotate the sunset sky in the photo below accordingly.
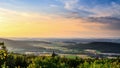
(60, 18)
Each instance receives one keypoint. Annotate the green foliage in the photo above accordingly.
(24, 61)
(3, 55)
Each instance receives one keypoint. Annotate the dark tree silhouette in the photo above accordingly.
(54, 54)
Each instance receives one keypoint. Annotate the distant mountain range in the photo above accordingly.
(82, 40)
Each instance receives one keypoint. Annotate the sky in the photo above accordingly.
(60, 18)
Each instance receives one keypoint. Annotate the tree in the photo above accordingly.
(3, 53)
(54, 54)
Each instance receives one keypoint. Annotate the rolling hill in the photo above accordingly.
(41, 46)
(108, 47)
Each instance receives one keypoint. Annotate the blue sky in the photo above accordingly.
(99, 15)
(61, 6)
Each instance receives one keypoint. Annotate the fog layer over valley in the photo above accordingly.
(62, 46)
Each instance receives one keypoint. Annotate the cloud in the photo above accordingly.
(103, 11)
(112, 23)
(76, 15)
(53, 6)
(20, 16)
(98, 10)
(107, 15)
(70, 4)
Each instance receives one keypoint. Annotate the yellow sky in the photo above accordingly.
(26, 24)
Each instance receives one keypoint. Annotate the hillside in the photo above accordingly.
(108, 47)
(14, 45)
